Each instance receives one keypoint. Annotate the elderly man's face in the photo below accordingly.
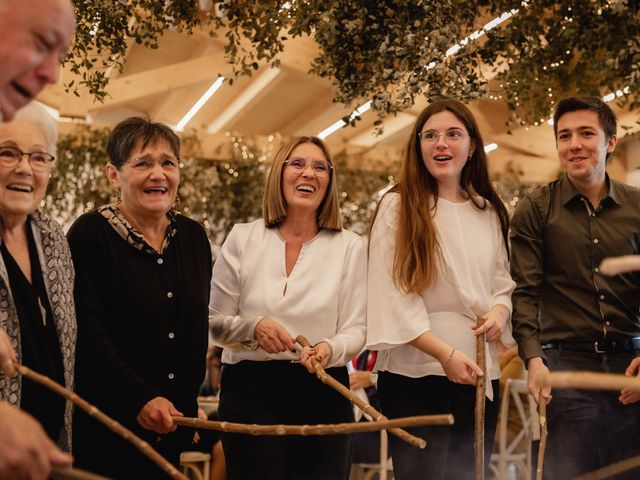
(34, 38)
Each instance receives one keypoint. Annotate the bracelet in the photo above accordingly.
(453, 349)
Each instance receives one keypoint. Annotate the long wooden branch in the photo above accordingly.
(542, 416)
(326, 429)
(59, 473)
(613, 469)
(588, 381)
(362, 405)
(481, 391)
(617, 265)
(116, 427)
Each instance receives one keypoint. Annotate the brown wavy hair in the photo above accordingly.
(417, 251)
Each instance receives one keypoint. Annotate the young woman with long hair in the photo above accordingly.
(438, 261)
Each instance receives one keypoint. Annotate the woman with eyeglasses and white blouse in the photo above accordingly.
(438, 261)
(142, 291)
(295, 271)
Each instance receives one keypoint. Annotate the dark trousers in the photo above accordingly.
(449, 453)
(278, 392)
(589, 429)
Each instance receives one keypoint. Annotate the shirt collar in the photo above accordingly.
(568, 192)
(131, 235)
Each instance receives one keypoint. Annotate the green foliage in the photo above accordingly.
(391, 51)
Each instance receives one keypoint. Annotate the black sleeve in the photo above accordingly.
(102, 375)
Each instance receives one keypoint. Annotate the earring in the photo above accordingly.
(176, 202)
(115, 198)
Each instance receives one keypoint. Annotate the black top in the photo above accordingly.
(142, 330)
(38, 340)
(557, 243)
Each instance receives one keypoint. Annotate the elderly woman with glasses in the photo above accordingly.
(37, 317)
(296, 271)
(142, 292)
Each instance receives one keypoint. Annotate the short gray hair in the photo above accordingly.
(36, 113)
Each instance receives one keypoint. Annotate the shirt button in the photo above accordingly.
(593, 214)
(595, 240)
(596, 269)
(608, 323)
(169, 294)
(160, 261)
(172, 335)
(601, 297)
(171, 375)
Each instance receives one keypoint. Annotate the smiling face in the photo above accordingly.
(304, 189)
(148, 180)
(583, 146)
(31, 49)
(22, 189)
(445, 146)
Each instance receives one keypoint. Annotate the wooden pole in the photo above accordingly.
(125, 433)
(613, 469)
(481, 391)
(327, 429)
(362, 405)
(74, 474)
(542, 417)
(588, 381)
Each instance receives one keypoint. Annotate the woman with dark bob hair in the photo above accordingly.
(295, 271)
(438, 261)
(142, 292)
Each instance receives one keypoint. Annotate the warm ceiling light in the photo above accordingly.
(198, 105)
(490, 147)
(341, 123)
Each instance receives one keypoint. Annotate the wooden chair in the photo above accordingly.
(195, 465)
(508, 453)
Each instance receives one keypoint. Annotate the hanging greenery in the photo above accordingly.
(390, 51)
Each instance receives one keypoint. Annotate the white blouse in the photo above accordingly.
(472, 279)
(323, 298)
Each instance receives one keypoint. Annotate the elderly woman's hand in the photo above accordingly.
(8, 357)
(156, 415)
(321, 352)
(273, 337)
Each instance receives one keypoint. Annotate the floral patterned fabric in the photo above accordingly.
(58, 276)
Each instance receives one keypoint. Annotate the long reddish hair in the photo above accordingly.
(417, 251)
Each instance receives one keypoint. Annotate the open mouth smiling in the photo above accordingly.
(20, 187)
(305, 188)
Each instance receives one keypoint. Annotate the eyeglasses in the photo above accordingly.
(432, 136)
(146, 163)
(319, 167)
(39, 161)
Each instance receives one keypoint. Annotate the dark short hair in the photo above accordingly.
(134, 130)
(607, 118)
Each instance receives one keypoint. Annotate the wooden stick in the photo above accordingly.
(613, 469)
(617, 265)
(74, 474)
(362, 405)
(125, 433)
(481, 391)
(326, 429)
(589, 381)
(542, 417)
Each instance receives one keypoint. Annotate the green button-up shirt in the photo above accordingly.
(557, 242)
